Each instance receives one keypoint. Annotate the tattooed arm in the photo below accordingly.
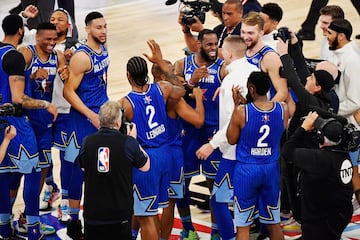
(17, 88)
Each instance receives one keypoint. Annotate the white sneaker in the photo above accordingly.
(64, 214)
(50, 196)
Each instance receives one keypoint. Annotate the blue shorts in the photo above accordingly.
(177, 182)
(60, 129)
(151, 187)
(44, 142)
(80, 127)
(22, 154)
(193, 139)
(223, 189)
(256, 193)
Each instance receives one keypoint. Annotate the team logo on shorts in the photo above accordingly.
(103, 162)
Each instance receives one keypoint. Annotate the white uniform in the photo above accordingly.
(239, 71)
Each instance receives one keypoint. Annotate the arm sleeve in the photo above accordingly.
(14, 63)
(227, 108)
(293, 80)
(299, 62)
(134, 153)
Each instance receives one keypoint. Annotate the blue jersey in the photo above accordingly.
(22, 154)
(93, 87)
(150, 116)
(259, 140)
(175, 131)
(209, 85)
(41, 88)
(256, 60)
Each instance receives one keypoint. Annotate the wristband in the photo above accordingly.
(186, 31)
(46, 103)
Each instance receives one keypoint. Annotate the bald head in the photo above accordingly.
(329, 67)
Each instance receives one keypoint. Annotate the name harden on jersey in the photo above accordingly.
(260, 151)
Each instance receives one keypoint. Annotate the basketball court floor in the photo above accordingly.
(130, 24)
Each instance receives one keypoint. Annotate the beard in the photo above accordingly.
(252, 45)
(97, 40)
(206, 57)
(59, 34)
(334, 44)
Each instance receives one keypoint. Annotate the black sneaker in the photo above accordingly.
(170, 2)
(305, 35)
(74, 230)
(357, 36)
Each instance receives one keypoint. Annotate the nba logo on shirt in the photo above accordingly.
(103, 161)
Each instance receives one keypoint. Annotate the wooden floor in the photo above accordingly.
(131, 23)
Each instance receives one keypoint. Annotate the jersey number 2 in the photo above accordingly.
(150, 110)
(265, 130)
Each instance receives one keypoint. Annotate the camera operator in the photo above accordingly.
(232, 11)
(325, 171)
(314, 90)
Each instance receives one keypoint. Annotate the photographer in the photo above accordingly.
(311, 90)
(107, 158)
(231, 16)
(325, 171)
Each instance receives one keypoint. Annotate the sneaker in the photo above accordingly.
(357, 36)
(192, 235)
(305, 35)
(294, 227)
(184, 234)
(74, 230)
(46, 229)
(50, 196)
(64, 214)
(170, 2)
(22, 228)
(216, 236)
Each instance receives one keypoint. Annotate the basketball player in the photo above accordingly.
(145, 106)
(256, 128)
(86, 91)
(205, 70)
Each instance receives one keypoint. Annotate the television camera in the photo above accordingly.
(194, 8)
(350, 138)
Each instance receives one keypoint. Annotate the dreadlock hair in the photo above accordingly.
(138, 70)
